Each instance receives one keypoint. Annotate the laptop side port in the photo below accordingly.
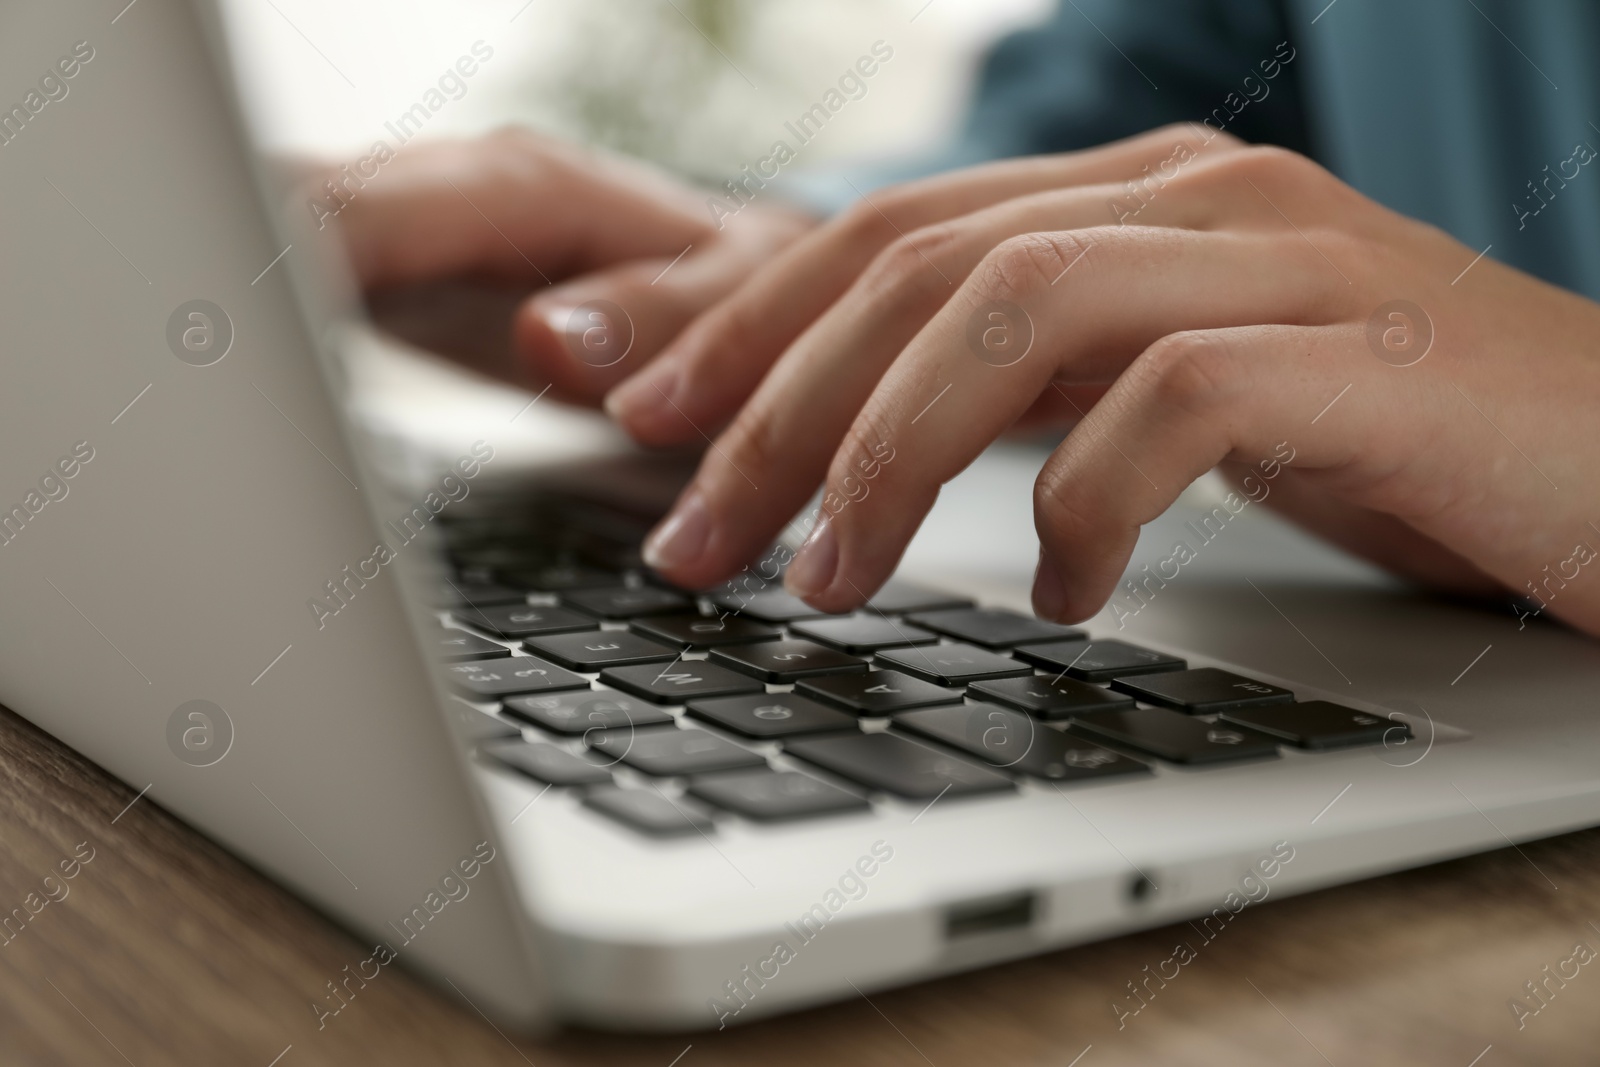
(987, 915)
(1141, 890)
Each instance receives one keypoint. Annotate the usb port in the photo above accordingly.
(986, 915)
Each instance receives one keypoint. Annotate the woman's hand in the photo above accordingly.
(523, 212)
(1235, 306)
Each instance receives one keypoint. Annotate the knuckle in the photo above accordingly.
(1220, 140)
(1341, 244)
(909, 267)
(751, 444)
(1057, 516)
(1198, 137)
(1280, 167)
(863, 223)
(514, 137)
(866, 433)
(859, 452)
(518, 159)
(1189, 372)
(903, 204)
(1020, 266)
(732, 334)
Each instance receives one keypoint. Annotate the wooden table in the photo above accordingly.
(168, 950)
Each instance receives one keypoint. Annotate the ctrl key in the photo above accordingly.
(647, 810)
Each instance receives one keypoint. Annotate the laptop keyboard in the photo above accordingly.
(670, 713)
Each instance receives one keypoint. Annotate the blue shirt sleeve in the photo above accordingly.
(1481, 118)
(1100, 70)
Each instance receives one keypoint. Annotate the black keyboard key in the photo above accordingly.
(459, 646)
(704, 631)
(597, 649)
(768, 715)
(452, 594)
(769, 605)
(741, 587)
(1097, 661)
(648, 811)
(1321, 724)
(953, 665)
(877, 692)
(492, 678)
(669, 753)
(1050, 698)
(864, 632)
(1175, 737)
(895, 765)
(474, 726)
(900, 598)
(513, 621)
(612, 555)
(786, 661)
(561, 578)
(1202, 690)
(1011, 741)
(674, 683)
(578, 713)
(623, 602)
(546, 763)
(771, 796)
(993, 627)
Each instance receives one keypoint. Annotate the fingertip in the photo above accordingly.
(1049, 590)
(688, 547)
(647, 406)
(682, 537)
(814, 567)
(540, 335)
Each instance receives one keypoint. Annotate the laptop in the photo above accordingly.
(454, 713)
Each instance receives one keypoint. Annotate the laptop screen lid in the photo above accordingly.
(176, 485)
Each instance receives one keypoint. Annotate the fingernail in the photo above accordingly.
(814, 565)
(557, 316)
(645, 397)
(682, 538)
(1049, 592)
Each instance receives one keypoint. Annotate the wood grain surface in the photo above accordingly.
(165, 949)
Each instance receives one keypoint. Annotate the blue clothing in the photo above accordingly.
(1467, 114)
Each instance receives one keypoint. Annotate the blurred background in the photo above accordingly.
(698, 86)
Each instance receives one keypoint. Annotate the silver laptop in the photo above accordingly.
(454, 714)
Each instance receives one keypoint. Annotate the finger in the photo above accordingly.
(814, 393)
(587, 334)
(723, 355)
(512, 205)
(1145, 283)
(947, 397)
(1248, 395)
